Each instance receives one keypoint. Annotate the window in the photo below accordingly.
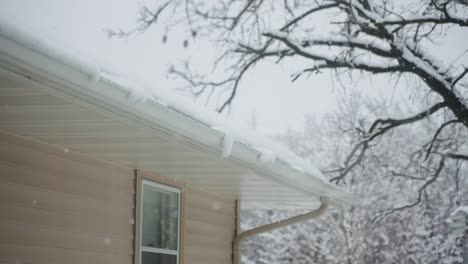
(159, 227)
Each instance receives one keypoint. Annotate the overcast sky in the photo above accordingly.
(265, 91)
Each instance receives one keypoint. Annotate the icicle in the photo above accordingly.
(228, 141)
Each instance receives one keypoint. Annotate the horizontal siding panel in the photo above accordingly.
(12, 87)
(156, 161)
(208, 217)
(216, 243)
(16, 174)
(52, 130)
(138, 138)
(40, 108)
(62, 207)
(46, 236)
(48, 149)
(50, 116)
(64, 167)
(27, 253)
(202, 228)
(61, 202)
(203, 197)
(118, 149)
(209, 171)
(122, 228)
(207, 256)
(13, 100)
(218, 178)
(215, 206)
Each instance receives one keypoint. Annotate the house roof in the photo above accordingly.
(54, 95)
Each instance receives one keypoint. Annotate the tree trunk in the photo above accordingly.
(454, 103)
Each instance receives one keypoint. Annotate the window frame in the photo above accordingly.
(158, 185)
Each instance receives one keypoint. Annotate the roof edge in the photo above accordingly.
(79, 81)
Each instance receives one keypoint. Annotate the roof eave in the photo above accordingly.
(77, 83)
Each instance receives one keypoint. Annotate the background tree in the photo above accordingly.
(375, 229)
(406, 162)
(345, 36)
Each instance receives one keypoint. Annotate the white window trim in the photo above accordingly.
(160, 250)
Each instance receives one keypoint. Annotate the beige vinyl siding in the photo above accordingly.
(35, 107)
(208, 228)
(60, 207)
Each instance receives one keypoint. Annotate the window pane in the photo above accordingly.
(156, 258)
(159, 218)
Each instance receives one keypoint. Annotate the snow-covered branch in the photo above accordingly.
(376, 46)
(440, 20)
(331, 61)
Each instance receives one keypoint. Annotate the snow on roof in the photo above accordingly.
(50, 47)
(268, 149)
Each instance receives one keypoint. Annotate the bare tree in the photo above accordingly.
(390, 177)
(344, 36)
(374, 37)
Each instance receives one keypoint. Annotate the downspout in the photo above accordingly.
(266, 228)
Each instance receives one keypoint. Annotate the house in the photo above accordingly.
(89, 174)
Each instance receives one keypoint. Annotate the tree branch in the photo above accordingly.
(146, 19)
(439, 130)
(349, 164)
(455, 156)
(424, 20)
(397, 174)
(237, 80)
(307, 13)
(195, 83)
(459, 77)
(380, 126)
(351, 43)
(420, 193)
(325, 61)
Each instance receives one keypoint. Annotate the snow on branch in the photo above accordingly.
(442, 16)
(422, 20)
(380, 49)
(333, 61)
(380, 126)
(418, 59)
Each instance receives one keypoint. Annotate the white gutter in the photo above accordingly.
(269, 227)
(68, 79)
